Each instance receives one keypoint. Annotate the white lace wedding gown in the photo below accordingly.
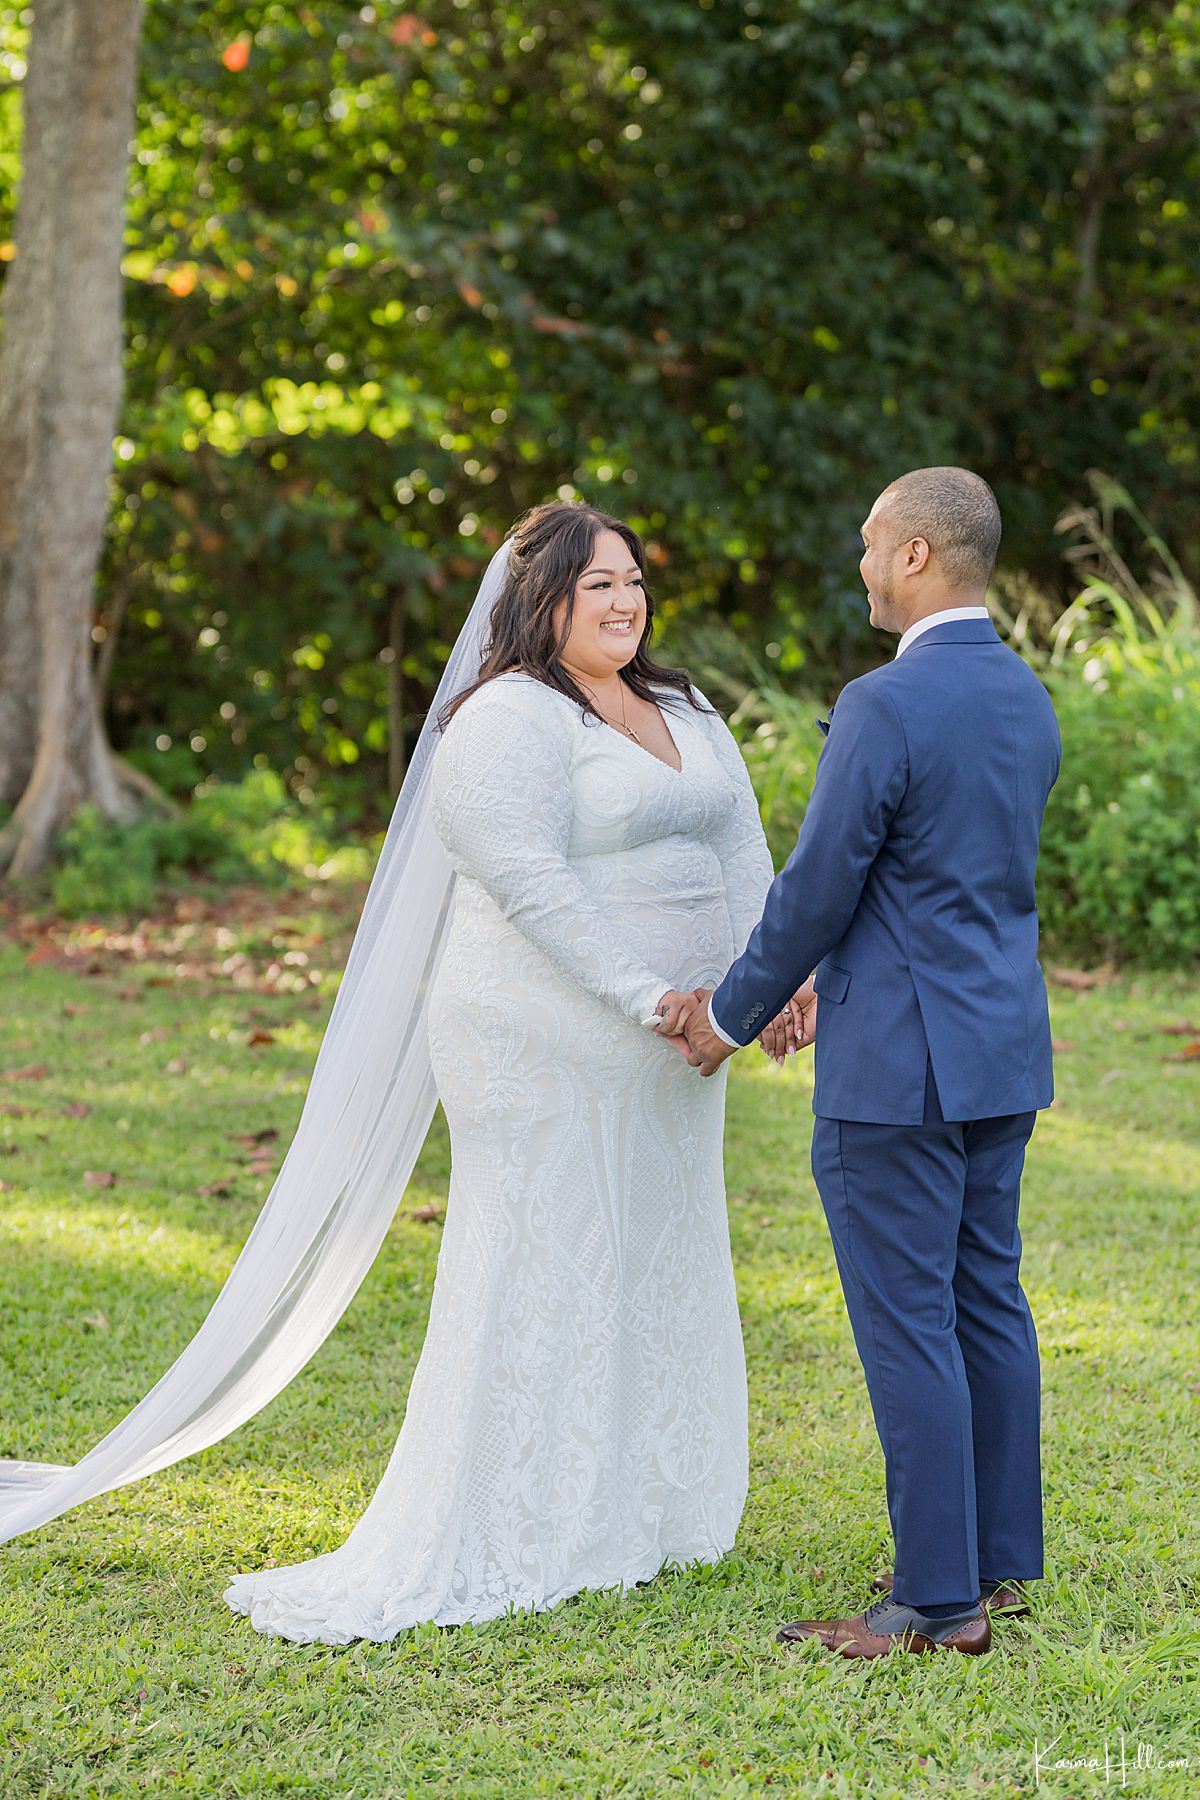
(578, 1415)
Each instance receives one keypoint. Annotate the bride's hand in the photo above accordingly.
(674, 1010)
(793, 1028)
(779, 1039)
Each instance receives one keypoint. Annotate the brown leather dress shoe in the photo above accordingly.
(1008, 1601)
(856, 1637)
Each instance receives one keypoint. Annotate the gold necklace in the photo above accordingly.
(624, 725)
(626, 728)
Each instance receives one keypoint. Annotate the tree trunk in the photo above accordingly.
(60, 393)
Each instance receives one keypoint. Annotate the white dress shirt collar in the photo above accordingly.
(951, 615)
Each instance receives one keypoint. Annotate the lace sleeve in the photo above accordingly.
(501, 802)
(741, 845)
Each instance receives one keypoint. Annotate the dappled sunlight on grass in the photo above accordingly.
(66, 1234)
(1115, 1154)
(124, 1670)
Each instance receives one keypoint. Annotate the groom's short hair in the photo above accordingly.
(955, 511)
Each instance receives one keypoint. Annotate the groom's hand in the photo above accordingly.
(709, 1050)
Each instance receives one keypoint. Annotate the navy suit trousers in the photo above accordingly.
(924, 1226)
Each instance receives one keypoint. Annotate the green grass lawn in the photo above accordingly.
(122, 1669)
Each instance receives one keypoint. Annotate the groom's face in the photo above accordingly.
(877, 566)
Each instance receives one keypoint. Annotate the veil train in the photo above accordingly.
(369, 1105)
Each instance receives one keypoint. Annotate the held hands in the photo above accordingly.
(684, 1023)
(794, 1028)
(675, 1010)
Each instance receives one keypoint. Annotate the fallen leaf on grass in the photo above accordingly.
(7, 1187)
(252, 1139)
(72, 1011)
(1189, 1053)
(78, 1109)
(1080, 979)
(221, 1189)
(1184, 1030)
(426, 1215)
(1061, 1044)
(177, 1066)
(259, 1036)
(46, 953)
(17, 1112)
(96, 1321)
(99, 1178)
(153, 1037)
(33, 1072)
(261, 1165)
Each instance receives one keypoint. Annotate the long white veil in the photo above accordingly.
(364, 1120)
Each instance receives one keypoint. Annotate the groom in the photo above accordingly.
(912, 887)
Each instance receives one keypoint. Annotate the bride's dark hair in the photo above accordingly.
(550, 547)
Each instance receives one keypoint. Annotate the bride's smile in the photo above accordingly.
(607, 616)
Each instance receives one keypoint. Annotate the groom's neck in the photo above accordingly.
(941, 599)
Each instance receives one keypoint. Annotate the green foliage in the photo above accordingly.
(1120, 870)
(251, 830)
(256, 830)
(780, 743)
(124, 1673)
(106, 868)
(394, 276)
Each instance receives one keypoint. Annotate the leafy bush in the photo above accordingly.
(1120, 865)
(250, 830)
(106, 867)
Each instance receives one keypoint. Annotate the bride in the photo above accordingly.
(576, 848)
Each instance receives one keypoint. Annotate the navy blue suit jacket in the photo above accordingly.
(912, 885)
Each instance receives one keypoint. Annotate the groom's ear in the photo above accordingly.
(916, 555)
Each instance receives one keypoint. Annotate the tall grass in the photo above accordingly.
(1120, 873)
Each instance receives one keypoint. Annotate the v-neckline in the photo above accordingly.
(670, 767)
(620, 736)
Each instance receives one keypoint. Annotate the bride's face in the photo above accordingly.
(610, 610)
